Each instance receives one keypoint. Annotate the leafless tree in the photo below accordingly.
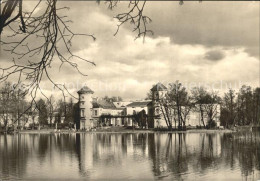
(51, 33)
(229, 105)
(211, 107)
(38, 38)
(181, 103)
(11, 99)
(51, 106)
(164, 107)
(33, 61)
(175, 105)
(136, 17)
(199, 97)
(186, 108)
(6, 104)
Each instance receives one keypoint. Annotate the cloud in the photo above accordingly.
(253, 51)
(187, 37)
(208, 23)
(214, 55)
(131, 76)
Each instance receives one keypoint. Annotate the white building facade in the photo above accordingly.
(85, 108)
(96, 112)
(193, 119)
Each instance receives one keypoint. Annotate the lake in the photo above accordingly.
(114, 156)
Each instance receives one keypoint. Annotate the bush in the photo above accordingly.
(211, 124)
(161, 129)
(33, 126)
(65, 126)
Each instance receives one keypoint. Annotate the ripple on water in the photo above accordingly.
(191, 156)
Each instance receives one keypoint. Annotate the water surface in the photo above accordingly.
(99, 156)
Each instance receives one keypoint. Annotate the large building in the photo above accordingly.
(193, 118)
(100, 112)
(85, 108)
(106, 113)
(95, 112)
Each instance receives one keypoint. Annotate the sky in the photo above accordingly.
(211, 44)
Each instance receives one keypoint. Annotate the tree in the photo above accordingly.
(140, 118)
(143, 119)
(211, 106)
(33, 112)
(199, 96)
(50, 27)
(22, 106)
(32, 60)
(186, 107)
(65, 111)
(12, 104)
(51, 106)
(43, 112)
(181, 102)
(163, 108)
(256, 106)
(76, 115)
(6, 103)
(228, 110)
(149, 95)
(113, 99)
(224, 120)
(242, 109)
(61, 108)
(175, 105)
(69, 112)
(245, 105)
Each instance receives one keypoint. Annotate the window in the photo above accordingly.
(82, 112)
(157, 110)
(82, 97)
(82, 102)
(156, 95)
(95, 112)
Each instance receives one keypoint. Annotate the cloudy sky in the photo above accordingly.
(210, 43)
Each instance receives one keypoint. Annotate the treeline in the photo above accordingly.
(235, 108)
(113, 99)
(16, 111)
(241, 108)
(51, 111)
(12, 105)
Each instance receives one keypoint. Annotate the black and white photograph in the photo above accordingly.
(129, 90)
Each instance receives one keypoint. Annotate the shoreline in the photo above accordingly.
(52, 131)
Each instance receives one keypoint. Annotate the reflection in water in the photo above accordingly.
(188, 156)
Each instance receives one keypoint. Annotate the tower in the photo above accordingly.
(85, 108)
(158, 92)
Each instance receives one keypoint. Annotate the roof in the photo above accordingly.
(139, 104)
(159, 87)
(103, 104)
(121, 104)
(85, 89)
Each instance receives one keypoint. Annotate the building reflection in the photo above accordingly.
(148, 155)
(14, 155)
